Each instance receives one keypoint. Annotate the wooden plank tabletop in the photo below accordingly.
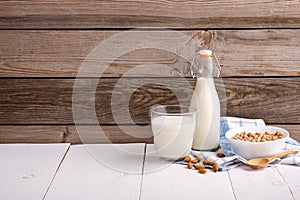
(164, 181)
(83, 175)
(129, 171)
(291, 176)
(26, 170)
(265, 183)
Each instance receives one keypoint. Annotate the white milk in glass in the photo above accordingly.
(173, 135)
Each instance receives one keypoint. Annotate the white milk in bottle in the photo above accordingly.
(205, 99)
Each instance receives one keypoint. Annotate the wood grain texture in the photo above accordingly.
(49, 101)
(69, 134)
(32, 53)
(48, 42)
(138, 13)
(32, 134)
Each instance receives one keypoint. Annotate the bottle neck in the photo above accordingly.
(205, 67)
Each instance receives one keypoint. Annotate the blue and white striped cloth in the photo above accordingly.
(232, 160)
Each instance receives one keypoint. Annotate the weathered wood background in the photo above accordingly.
(42, 46)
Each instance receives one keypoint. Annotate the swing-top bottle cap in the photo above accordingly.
(205, 53)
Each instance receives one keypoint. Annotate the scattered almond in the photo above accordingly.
(220, 154)
(199, 167)
(190, 165)
(187, 159)
(205, 162)
(198, 158)
(215, 167)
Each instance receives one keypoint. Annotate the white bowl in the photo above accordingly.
(249, 150)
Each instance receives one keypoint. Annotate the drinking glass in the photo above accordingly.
(173, 128)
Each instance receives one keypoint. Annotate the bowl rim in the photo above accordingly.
(284, 131)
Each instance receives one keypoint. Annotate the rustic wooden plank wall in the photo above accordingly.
(44, 43)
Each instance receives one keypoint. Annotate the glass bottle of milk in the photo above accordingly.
(205, 99)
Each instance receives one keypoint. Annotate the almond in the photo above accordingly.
(198, 158)
(190, 165)
(205, 162)
(199, 167)
(215, 167)
(187, 159)
(220, 155)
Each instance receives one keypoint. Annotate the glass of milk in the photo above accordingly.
(173, 128)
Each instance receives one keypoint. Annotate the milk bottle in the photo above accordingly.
(205, 99)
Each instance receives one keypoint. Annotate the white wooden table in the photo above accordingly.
(63, 171)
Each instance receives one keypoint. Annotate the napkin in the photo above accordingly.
(232, 160)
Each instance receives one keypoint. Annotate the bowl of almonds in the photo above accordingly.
(255, 142)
